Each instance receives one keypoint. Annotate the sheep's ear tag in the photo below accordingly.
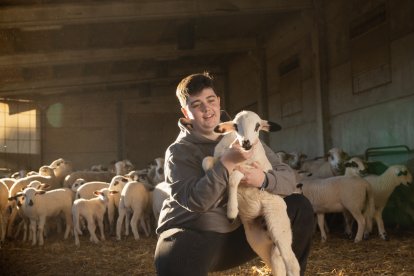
(270, 126)
(225, 127)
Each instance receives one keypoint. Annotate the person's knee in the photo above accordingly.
(300, 210)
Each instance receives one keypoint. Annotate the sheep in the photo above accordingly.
(252, 203)
(331, 165)
(61, 168)
(117, 184)
(46, 175)
(137, 199)
(4, 194)
(93, 210)
(8, 182)
(383, 185)
(161, 192)
(85, 189)
(87, 176)
(347, 193)
(123, 167)
(294, 159)
(39, 205)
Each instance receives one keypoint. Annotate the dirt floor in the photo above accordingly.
(129, 257)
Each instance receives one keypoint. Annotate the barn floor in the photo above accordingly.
(129, 257)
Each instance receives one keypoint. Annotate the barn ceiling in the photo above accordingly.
(74, 46)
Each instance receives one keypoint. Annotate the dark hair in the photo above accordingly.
(192, 85)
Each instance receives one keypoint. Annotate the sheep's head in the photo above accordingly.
(356, 166)
(337, 158)
(29, 195)
(247, 125)
(46, 171)
(118, 182)
(402, 173)
(78, 182)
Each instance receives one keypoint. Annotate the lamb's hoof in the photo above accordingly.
(385, 237)
(231, 220)
(366, 236)
(348, 236)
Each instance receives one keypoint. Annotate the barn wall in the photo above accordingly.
(103, 127)
(369, 86)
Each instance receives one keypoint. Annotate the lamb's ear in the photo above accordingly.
(270, 126)
(225, 127)
(97, 193)
(40, 192)
(113, 192)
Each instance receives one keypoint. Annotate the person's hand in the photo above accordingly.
(235, 155)
(252, 176)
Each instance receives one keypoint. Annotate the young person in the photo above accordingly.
(195, 236)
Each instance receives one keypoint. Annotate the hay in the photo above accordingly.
(129, 257)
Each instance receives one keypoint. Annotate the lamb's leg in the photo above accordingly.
(348, 224)
(121, 216)
(33, 230)
(232, 204)
(280, 232)
(101, 227)
(321, 224)
(10, 222)
(134, 223)
(68, 222)
(380, 223)
(42, 221)
(361, 224)
(92, 229)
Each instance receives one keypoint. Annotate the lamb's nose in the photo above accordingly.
(246, 144)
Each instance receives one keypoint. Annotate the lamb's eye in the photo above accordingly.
(235, 127)
(257, 127)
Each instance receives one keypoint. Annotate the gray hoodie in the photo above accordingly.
(198, 199)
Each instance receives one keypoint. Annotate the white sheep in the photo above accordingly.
(85, 189)
(46, 175)
(123, 167)
(252, 203)
(61, 168)
(347, 193)
(330, 165)
(4, 204)
(135, 199)
(87, 176)
(161, 192)
(117, 184)
(93, 211)
(39, 205)
(383, 185)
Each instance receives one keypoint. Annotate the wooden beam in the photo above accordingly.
(57, 86)
(158, 52)
(80, 13)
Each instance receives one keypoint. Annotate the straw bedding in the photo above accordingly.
(129, 257)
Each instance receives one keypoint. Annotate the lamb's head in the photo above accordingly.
(355, 166)
(29, 195)
(337, 158)
(46, 171)
(78, 182)
(118, 182)
(247, 125)
(402, 173)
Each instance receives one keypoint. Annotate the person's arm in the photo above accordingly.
(282, 179)
(191, 187)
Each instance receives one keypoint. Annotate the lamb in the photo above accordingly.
(39, 205)
(383, 185)
(275, 246)
(93, 210)
(347, 193)
(137, 199)
(46, 175)
(85, 189)
(161, 192)
(87, 176)
(331, 165)
(61, 168)
(123, 167)
(4, 194)
(117, 184)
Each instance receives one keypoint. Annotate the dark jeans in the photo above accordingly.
(187, 252)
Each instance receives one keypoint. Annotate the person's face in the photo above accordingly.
(203, 109)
